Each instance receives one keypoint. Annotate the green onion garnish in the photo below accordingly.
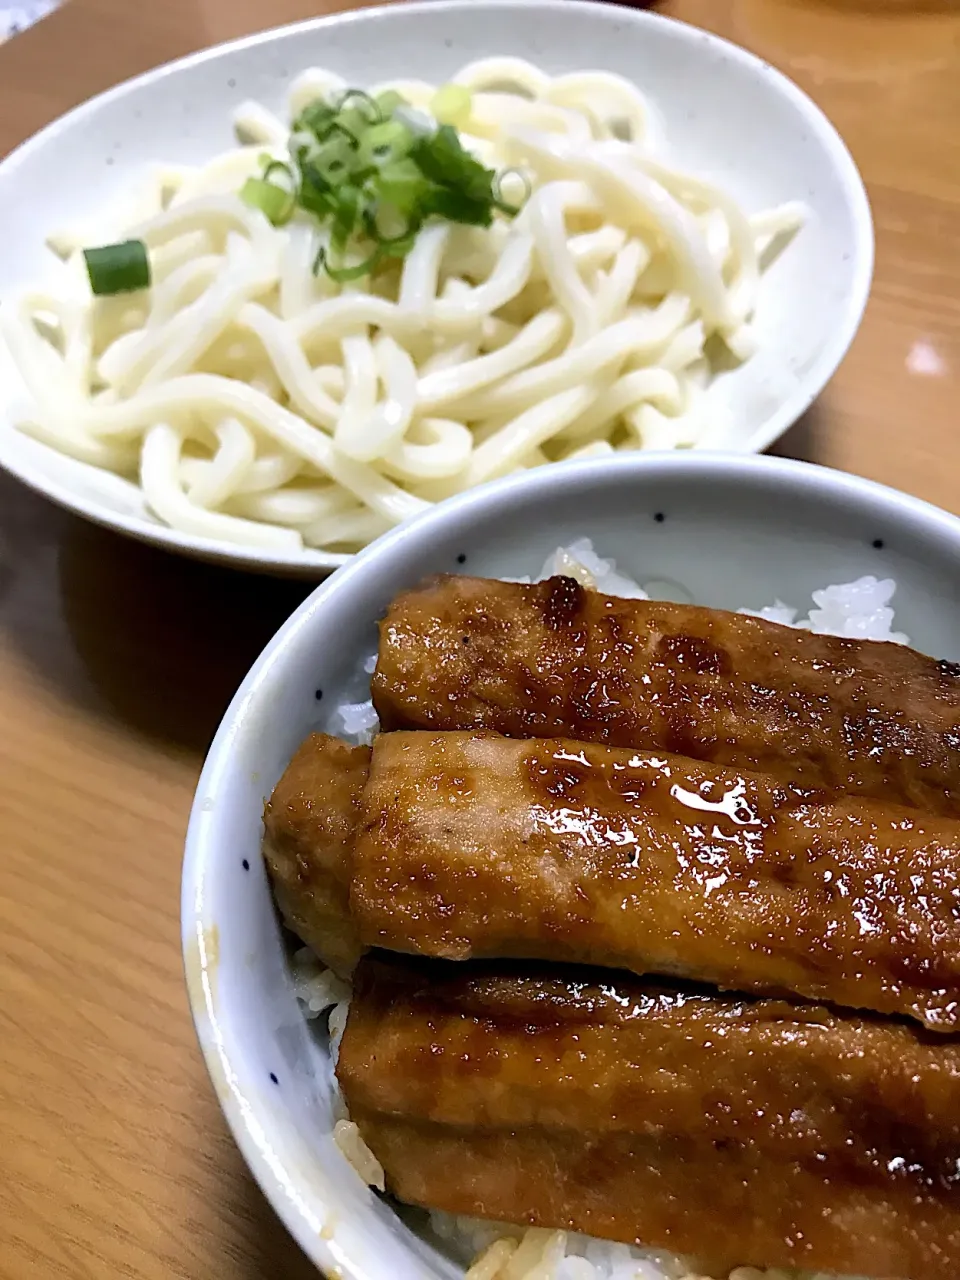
(278, 203)
(506, 206)
(118, 268)
(388, 103)
(369, 171)
(371, 109)
(342, 275)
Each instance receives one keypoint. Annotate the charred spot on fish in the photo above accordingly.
(462, 558)
(561, 779)
(877, 544)
(695, 653)
(603, 704)
(926, 971)
(564, 601)
(948, 670)
(659, 517)
(880, 736)
(785, 873)
(683, 737)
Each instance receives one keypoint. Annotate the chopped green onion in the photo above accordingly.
(403, 186)
(275, 202)
(392, 243)
(345, 217)
(388, 103)
(118, 268)
(342, 275)
(316, 192)
(373, 171)
(333, 158)
(452, 104)
(445, 202)
(383, 143)
(315, 117)
(373, 108)
(280, 166)
(443, 159)
(505, 206)
(342, 129)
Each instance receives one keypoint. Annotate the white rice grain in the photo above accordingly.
(492, 1261)
(356, 1152)
(314, 986)
(858, 610)
(358, 720)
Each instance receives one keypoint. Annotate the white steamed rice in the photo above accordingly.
(497, 1251)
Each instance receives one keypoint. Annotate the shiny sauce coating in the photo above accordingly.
(754, 1132)
(476, 845)
(555, 660)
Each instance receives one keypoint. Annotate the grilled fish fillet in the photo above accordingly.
(465, 845)
(309, 827)
(555, 660)
(472, 845)
(743, 1132)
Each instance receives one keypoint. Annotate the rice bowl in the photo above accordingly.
(816, 526)
(860, 609)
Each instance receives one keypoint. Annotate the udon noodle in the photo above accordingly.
(261, 404)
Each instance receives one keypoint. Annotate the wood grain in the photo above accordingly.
(116, 661)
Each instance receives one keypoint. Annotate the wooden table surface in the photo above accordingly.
(116, 661)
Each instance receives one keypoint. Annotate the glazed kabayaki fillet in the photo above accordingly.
(742, 1132)
(556, 660)
(472, 845)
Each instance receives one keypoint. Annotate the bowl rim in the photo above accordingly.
(310, 562)
(203, 855)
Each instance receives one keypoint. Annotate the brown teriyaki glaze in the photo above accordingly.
(753, 1132)
(309, 827)
(555, 660)
(477, 845)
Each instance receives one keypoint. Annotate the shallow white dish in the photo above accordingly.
(728, 116)
(733, 531)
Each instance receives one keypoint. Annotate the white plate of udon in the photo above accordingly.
(679, 260)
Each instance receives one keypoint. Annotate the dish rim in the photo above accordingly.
(203, 857)
(311, 563)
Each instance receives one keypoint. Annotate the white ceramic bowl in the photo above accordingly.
(727, 115)
(734, 531)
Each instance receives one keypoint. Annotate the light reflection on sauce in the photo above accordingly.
(733, 803)
(628, 858)
(587, 825)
